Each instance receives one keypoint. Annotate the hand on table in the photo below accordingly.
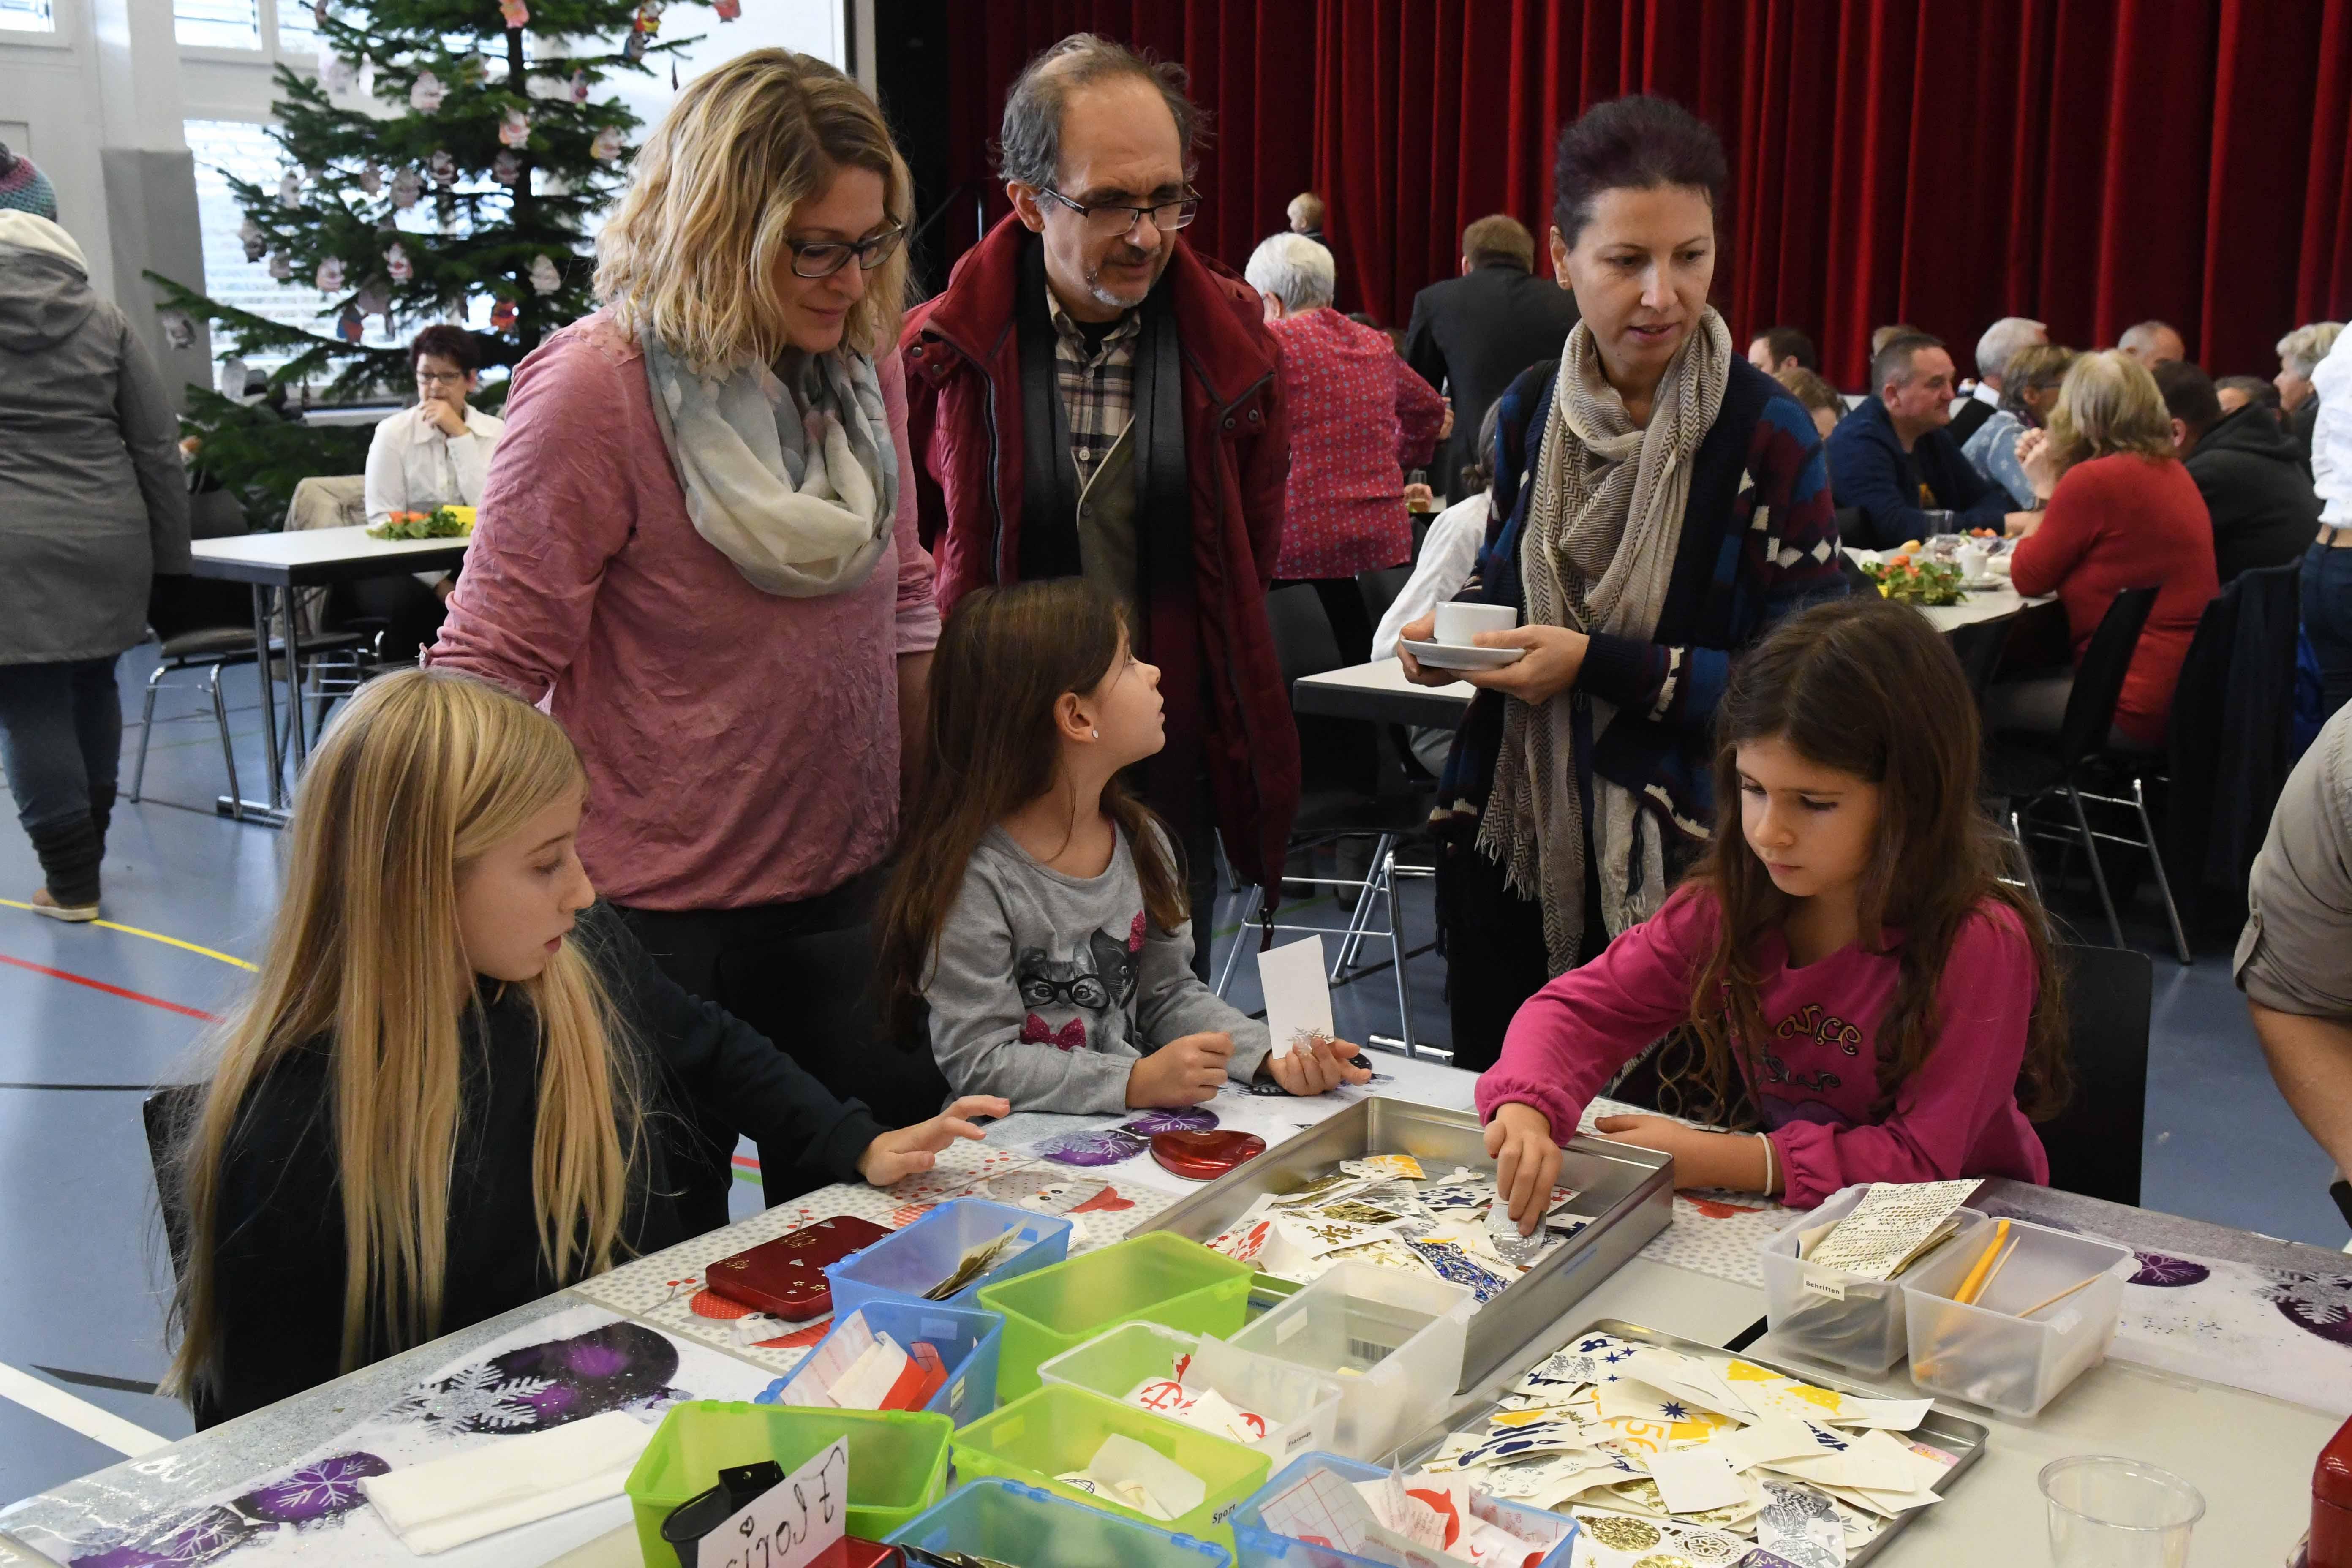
(1734, 1162)
(1184, 1071)
(1526, 1159)
(901, 1154)
(1311, 1070)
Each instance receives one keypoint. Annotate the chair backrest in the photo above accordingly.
(163, 1113)
(1333, 754)
(322, 501)
(1303, 640)
(1858, 582)
(1979, 647)
(2094, 1143)
(2099, 677)
(1381, 588)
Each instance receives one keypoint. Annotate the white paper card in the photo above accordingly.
(1773, 1438)
(1298, 995)
(791, 1524)
(1892, 1414)
(1145, 1479)
(1693, 1480)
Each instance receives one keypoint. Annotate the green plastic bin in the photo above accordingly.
(1156, 1276)
(1058, 1427)
(898, 1460)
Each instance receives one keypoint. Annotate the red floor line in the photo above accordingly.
(110, 990)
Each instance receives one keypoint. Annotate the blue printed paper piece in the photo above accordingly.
(1456, 1267)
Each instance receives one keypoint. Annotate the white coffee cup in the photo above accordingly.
(1458, 624)
(1972, 559)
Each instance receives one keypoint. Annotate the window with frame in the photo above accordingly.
(217, 24)
(28, 16)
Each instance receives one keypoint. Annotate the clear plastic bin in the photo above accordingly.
(1156, 1276)
(1301, 1407)
(898, 1460)
(1013, 1523)
(1057, 1429)
(1258, 1547)
(905, 1263)
(1987, 1356)
(1396, 1340)
(966, 1338)
(1829, 1314)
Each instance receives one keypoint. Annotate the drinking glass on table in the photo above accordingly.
(2111, 1513)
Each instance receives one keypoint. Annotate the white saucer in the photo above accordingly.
(1455, 655)
(1986, 585)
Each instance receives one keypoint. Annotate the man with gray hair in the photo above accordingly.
(1090, 396)
(2000, 341)
(1360, 418)
(2153, 342)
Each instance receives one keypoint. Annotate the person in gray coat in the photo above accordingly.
(93, 504)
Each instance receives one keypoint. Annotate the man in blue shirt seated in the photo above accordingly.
(1893, 461)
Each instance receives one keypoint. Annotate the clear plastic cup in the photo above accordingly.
(2111, 1513)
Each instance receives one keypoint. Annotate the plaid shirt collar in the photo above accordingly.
(1098, 385)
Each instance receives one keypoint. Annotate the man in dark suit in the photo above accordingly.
(1894, 462)
(1471, 335)
(2265, 511)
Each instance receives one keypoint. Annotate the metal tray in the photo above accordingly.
(1628, 1192)
(1962, 1439)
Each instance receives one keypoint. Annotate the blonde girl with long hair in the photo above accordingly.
(454, 1087)
(2118, 511)
(697, 541)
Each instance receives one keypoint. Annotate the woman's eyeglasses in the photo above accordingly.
(1105, 219)
(823, 258)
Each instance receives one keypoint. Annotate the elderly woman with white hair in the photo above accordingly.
(2300, 352)
(1359, 418)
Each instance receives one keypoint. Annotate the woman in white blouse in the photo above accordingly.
(435, 454)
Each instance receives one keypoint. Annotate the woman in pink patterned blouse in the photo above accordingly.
(1358, 419)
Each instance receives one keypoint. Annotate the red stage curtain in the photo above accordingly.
(2089, 163)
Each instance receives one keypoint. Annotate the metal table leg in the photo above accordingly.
(273, 810)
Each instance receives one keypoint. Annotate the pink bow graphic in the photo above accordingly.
(1070, 1037)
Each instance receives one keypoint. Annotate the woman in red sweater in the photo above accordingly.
(2122, 513)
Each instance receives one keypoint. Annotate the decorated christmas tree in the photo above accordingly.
(469, 203)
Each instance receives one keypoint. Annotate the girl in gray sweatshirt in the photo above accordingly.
(1037, 912)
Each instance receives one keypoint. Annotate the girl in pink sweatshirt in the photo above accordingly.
(1848, 963)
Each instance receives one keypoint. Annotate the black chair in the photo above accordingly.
(2094, 1143)
(1380, 589)
(2021, 771)
(1979, 647)
(1339, 799)
(163, 1114)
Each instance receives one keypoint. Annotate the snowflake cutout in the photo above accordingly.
(478, 1398)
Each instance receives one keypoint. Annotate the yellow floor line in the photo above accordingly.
(152, 936)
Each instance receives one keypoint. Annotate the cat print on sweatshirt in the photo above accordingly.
(1092, 988)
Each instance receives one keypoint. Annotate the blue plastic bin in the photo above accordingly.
(966, 1338)
(1014, 1523)
(905, 1263)
(1261, 1548)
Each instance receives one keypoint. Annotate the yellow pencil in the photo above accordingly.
(1974, 1282)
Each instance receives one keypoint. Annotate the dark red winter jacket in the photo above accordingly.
(962, 356)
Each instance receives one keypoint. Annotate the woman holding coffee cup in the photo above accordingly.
(1659, 504)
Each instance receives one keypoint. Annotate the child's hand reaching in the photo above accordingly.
(901, 1154)
(1526, 1161)
(1322, 1066)
(1184, 1071)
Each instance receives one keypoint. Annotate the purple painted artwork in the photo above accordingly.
(2316, 1304)
(184, 1543)
(1107, 1147)
(1192, 1119)
(615, 1367)
(315, 1492)
(2155, 1269)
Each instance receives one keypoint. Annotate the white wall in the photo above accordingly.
(48, 84)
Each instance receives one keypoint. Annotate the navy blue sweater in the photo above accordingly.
(1867, 471)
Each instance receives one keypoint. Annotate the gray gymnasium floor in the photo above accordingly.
(89, 1017)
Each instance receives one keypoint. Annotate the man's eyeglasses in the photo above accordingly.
(823, 258)
(1105, 219)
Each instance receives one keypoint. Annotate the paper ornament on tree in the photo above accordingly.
(406, 186)
(349, 325)
(330, 276)
(289, 187)
(579, 87)
(426, 95)
(606, 147)
(543, 275)
(371, 180)
(517, 13)
(506, 168)
(250, 234)
(319, 13)
(442, 167)
(179, 332)
(729, 9)
(633, 47)
(280, 268)
(337, 74)
(514, 128)
(445, 207)
(396, 263)
(231, 378)
(503, 315)
(373, 298)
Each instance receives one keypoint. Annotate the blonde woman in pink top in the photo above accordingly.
(697, 547)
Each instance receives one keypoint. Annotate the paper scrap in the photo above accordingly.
(1693, 1480)
(1798, 1525)
(977, 1260)
(1298, 995)
(1145, 1479)
(1893, 1221)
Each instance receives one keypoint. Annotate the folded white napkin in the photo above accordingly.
(510, 1481)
